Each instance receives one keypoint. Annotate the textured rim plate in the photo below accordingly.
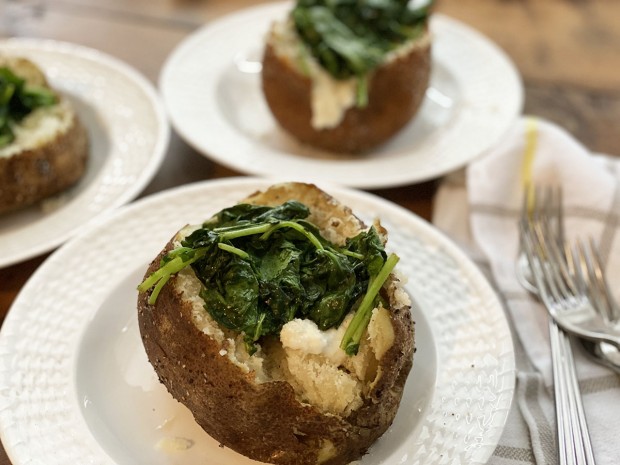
(211, 87)
(129, 135)
(75, 385)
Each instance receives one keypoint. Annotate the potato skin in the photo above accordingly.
(263, 421)
(396, 91)
(33, 175)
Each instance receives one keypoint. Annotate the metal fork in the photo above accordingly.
(600, 352)
(542, 224)
(565, 268)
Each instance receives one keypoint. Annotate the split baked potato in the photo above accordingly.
(301, 395)
(43, 144)
(346, 98)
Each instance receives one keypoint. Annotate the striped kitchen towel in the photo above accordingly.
(479, 208)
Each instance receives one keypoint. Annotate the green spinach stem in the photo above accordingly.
(249, 231)
(163, 274)
(232, 249)
(353, 335)
(297, 227)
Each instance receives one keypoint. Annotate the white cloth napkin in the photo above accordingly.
(479, 208)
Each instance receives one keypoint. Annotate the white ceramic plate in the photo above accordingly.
(128, 132)
(211, 87)
(76, 387)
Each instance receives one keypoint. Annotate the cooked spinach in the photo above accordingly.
(18, 99)
(351, 37)
(263, 266)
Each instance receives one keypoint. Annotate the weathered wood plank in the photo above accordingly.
(568, 53)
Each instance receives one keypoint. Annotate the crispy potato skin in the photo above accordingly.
(33, 175)
(396, 91)
(263, 421)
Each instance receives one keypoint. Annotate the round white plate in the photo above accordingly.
(211, 87)
(129, 135)
(76, 386)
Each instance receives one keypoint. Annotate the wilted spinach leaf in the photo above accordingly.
(351, 37)
(262, 266)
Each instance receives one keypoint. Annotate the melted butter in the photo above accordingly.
(330, 99)
(174, 444)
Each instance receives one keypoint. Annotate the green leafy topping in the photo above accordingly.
(17, 100)
(263, 266)
(351, 37)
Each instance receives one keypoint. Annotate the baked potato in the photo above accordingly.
(298, 396)
(353, 111)
(44, 147)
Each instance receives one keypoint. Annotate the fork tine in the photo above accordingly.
(554, 212)
(548, 229)
(573, 258)
(604, 285)
(594, 278)
(554, 268)
(558, 259)
(535, 213)
(538, 203)
(536, 253)
(553, 260)
(527, 238)
(560, 248)
(588, 274)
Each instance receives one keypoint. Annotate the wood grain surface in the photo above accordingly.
(565, 50)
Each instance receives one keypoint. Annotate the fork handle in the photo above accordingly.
(574, 445)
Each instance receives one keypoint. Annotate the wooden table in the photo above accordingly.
(567, 53)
